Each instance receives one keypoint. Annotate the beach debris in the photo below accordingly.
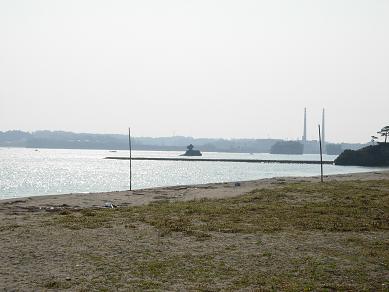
(237, 184)
(179, 188)
(109, 205)
(160, 197)
(14, 202)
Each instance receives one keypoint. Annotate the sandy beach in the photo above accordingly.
(173, 193)
(287, 234)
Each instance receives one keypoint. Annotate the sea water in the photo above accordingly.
(30, 172)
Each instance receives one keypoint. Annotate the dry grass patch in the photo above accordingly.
(335, 206)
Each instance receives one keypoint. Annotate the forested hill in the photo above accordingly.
(373, 155)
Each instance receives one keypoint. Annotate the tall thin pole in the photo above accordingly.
(323, 130)
(321, 157)
(129, 145)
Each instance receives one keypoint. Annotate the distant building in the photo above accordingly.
(304, 138)
(323, 140)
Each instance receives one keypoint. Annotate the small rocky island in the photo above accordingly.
(373, 155)
(191, 152)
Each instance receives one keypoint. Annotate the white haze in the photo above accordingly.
(197, 68)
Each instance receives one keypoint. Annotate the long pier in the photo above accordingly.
(222, 160)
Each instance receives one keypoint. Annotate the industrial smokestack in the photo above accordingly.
(323, 129)
(305, 125)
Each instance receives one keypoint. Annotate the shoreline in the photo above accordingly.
(146, 196)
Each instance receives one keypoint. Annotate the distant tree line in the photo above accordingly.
(287, 147)
(69, 140)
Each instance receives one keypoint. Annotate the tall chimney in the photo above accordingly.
(323, 129)
(305, 125)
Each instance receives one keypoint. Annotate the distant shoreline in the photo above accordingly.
(70, 140)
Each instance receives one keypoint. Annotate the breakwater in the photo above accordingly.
(223, 160)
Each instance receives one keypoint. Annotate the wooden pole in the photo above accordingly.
(321, 157)
(130, 147)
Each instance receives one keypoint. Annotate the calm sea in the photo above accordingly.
(29, 172)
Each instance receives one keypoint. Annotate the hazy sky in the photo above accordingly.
(197, 68)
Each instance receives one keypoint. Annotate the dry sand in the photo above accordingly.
(175, 193)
